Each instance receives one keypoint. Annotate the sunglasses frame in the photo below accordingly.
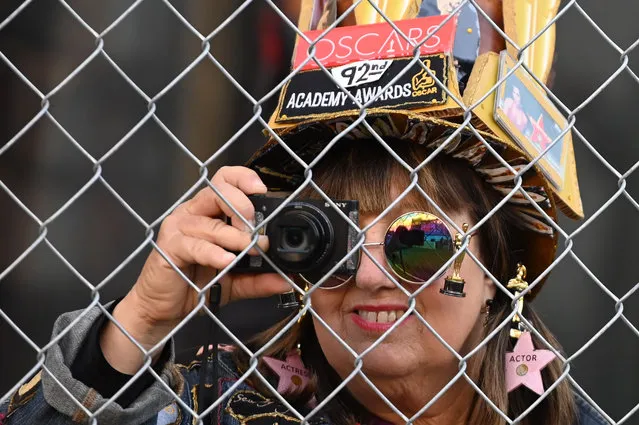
(367, 244)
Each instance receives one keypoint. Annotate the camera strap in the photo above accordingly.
(208, 391)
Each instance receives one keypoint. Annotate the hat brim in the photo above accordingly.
(308, 139)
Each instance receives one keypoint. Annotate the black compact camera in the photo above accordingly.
(307, 236)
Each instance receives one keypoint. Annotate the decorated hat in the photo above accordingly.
(370, 65)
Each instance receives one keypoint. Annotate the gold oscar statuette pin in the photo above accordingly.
(518, 284)
(454, 285)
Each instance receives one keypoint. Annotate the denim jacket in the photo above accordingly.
(42, 400)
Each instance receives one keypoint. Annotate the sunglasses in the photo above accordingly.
(416, 245)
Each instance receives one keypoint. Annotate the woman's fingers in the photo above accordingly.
(239, 200)
(233, 183)
(219, 233)
(261, 285)
(198, 235)
(190, 250)
(245, 179)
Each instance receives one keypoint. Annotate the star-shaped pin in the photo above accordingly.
(539, 135)
(524, 365)
(293, 375)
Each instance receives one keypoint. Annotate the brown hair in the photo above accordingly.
(361, 169)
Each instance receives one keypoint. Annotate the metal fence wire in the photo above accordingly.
(599, 292)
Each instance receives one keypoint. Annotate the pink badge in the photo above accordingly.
(524, 365)
(293, 375)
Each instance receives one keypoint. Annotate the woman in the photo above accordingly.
(410, 367)
(386, 344)
(514, 111)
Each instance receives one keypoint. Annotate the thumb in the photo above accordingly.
(262, 285)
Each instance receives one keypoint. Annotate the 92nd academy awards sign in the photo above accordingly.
(372, 63)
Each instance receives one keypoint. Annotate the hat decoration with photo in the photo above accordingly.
(368, 57)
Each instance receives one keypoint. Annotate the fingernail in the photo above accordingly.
(228, 257)
(258, 185)
(262, 240)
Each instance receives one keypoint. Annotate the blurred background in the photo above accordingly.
(98, 108)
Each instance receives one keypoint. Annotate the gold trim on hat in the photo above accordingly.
(523, 20)
(448, 80)
(482, 80)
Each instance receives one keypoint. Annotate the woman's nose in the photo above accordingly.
(369, 275)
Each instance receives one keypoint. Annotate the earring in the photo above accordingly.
(307, 286)
(454, 285)
(518, 284)
(292, 299)
(485, 310)
(487, 306)
(293, 376)
(288, 300)
(525, 363)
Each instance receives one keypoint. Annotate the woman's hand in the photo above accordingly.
(197, 240)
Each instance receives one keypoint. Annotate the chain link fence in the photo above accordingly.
(115, 113)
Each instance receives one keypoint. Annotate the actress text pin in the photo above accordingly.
(291, 372)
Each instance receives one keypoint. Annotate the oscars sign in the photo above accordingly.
(343, 45)
(372, 65)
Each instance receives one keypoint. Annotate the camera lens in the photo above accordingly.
(301, 237)
(294, 237)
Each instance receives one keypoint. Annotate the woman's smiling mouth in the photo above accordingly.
(378, 318)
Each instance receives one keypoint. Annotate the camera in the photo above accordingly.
(308, 236)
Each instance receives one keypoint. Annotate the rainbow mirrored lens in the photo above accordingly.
(417, 245)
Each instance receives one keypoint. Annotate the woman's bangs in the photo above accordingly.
(373, 177)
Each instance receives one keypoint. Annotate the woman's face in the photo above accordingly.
(516, 96)
(362, 309)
